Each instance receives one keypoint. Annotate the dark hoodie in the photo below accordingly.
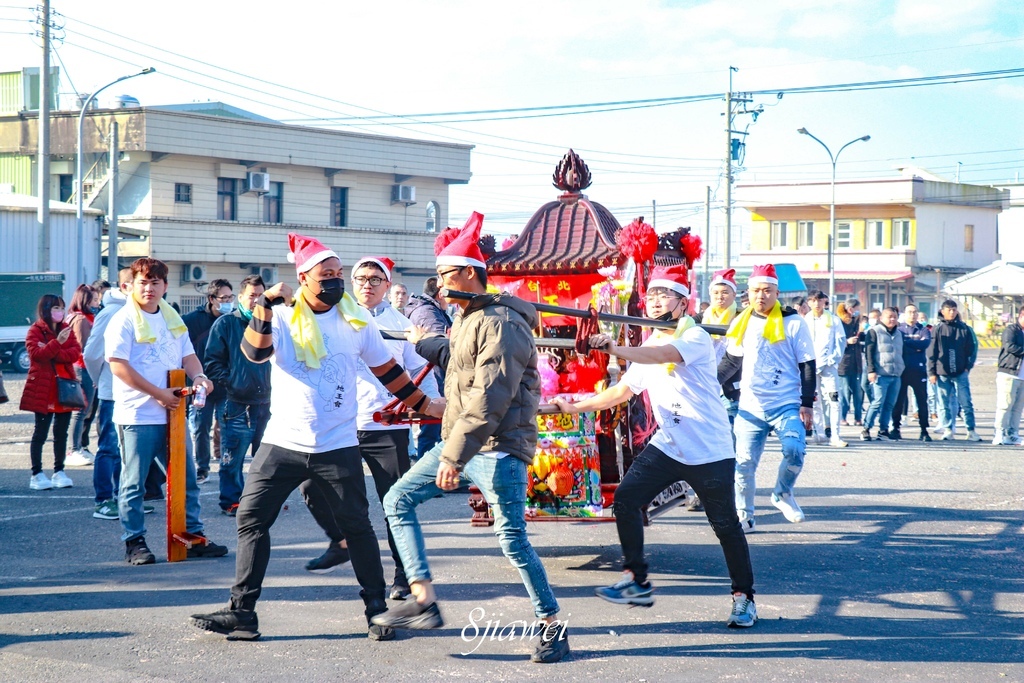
(492, 385)
(953, 349)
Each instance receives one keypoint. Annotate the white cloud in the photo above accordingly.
(928, 16)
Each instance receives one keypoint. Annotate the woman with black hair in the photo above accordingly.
(85, 304)
(52, 349)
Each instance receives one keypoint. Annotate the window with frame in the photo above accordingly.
(67, 187)
(805, 233)
(968, 238)
(433, 210)
(227, 199)
(182, 193)
(844, 235)
(339, 207)
(875, 234)
(901, 232)
(273, 203)
(876, 296)
(779, 233)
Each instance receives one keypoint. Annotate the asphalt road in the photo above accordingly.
(908, 568)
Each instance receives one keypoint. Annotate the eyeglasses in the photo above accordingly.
(660, 296)
(225, 299)
(448, 272)
(374, 281)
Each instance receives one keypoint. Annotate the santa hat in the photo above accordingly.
(673, 277)
(459, 246)
(382, 262)
(725, 277)
(306, 252)
(763, 275)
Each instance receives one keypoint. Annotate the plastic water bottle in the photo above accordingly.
(199, 399)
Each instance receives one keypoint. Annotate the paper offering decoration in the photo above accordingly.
(565, 477)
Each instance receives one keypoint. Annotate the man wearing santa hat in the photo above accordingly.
(489, 435)
(773, 349)
(384, 448)
(314, 346)
(679, 373)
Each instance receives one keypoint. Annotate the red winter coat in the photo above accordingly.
(40, 395)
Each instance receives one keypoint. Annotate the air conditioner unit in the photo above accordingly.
(403, 194)
(257, 182)
(193, 272)
(268, 273)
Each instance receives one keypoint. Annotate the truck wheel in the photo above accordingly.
(20, 361)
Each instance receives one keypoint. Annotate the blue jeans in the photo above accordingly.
(241, 425)
(883, 399)
(140, 446)
(751, 433)
(83, 418)
(502, 481)
(850, 396)
(200, 421)
(429, 435)
(950, 392)
(106, 470)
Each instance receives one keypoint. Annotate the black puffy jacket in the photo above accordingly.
(953, 349)
(228, 368)
(1012, 350)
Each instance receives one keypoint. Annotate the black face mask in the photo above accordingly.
(331, 290)
(665, 317)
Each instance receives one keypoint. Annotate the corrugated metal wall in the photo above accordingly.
(17, 170)
(19, 246)
(11, 93)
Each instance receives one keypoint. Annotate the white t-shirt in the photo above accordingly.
(771, 374)
(694, 427)
(314, 410)
(371, 394)
(152, 361)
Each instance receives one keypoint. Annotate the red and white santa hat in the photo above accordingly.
(725, 277)
(675, 277)
(459, 246)
(763, 275)
(306, 252)
(382, 262)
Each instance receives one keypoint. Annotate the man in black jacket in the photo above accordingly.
(220, 300)
(1010, 384)
(247, 384)
(951, 356)
(916, 340)
(428, 311)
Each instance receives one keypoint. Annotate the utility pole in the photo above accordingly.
(43, 148)
(654, 214)
(112, 264)
(707, 240)
(728, 169)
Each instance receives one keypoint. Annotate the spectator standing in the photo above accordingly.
(84, 306)
(866, 324)
(916, 340)
(1010, 384)
(851, 365)
(829, 337)
(143, 342)
(399, 297)
(52, 350)
(951, 356)
(106, 468)
(219, 301)
(430, 311)
(246, 389)
(884, 367)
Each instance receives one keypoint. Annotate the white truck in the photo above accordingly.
(19, 296)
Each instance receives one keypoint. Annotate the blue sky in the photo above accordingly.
(408, 57)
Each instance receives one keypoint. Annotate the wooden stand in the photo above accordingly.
(178, 539)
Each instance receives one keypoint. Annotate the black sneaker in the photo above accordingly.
(895, 435)
(236, 624)
(865, 435)
(554, 644)
(882, 432)
(376, 631)
(329, 561)
(210, 549)
(399, 592)
(137, 552)
(410, 614)
(828, 432)
(925, 436)
(202, 476)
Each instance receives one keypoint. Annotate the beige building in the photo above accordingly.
(897, 239)
(213, 190)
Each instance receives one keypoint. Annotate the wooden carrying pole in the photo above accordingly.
(178, 539)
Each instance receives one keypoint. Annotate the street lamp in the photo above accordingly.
(832, 207)
(80, 199)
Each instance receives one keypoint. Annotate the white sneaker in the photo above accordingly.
(836, 442)
(77, 458)
(749, 526)
(973, 435)
(947, 435)
(819, 438)
(1016, 441)
(789, 507)
(61, 480)
(40, 482)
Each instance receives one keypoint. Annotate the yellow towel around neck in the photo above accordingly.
(720, 316)
(144, 333)
(685, 322)
(774, 328)
(307, 338)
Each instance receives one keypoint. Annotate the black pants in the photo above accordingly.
(61, 422)
(653, 471)
(276, 472)
(386, 453)
(917, 381)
